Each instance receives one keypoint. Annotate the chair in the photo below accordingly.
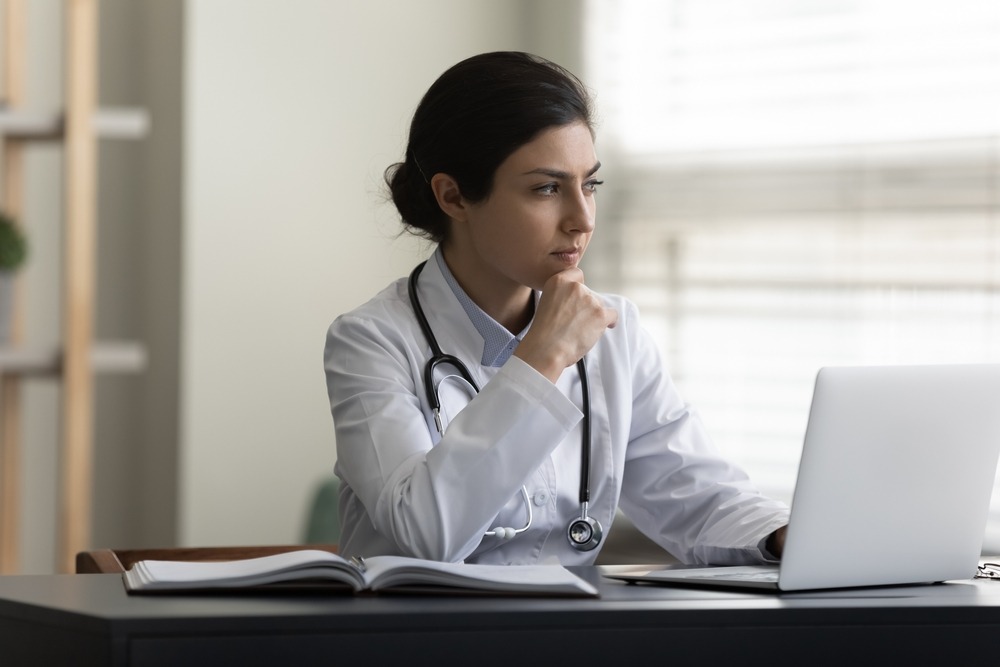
(625, 543)
(108, 561)
(323, 517)
(322, 531)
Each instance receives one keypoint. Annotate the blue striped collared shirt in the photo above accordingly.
(498, 343)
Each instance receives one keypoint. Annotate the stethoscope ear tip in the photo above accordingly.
(501, 532)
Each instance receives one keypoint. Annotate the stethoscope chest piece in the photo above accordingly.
(585, 533)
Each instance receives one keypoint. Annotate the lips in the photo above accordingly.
(568, 254)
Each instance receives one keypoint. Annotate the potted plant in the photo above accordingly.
(13, 249)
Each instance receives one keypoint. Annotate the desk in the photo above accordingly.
(89, 620)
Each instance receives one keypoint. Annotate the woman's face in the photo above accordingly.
(539, 217)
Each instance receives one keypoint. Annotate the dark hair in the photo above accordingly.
(470, 120)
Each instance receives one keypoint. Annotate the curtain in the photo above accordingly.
(796, 184)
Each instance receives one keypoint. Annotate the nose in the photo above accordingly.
(579, 214)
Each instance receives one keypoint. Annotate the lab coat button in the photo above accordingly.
(541, 498)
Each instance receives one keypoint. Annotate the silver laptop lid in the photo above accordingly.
(896, 476)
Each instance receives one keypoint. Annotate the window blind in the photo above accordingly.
(792, 185)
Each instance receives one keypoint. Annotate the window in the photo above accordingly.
(793, 185)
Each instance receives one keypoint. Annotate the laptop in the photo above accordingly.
(894, 484)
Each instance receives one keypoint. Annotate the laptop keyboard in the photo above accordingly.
(732, 573)
(741, 576)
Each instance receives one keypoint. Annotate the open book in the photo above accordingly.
(377, 573)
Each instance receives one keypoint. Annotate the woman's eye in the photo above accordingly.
(553, 188)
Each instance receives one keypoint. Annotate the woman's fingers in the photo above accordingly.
(569, 321)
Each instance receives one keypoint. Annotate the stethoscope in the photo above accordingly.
(583, 533)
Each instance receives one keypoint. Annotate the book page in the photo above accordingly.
(290, 566)
(384, 572)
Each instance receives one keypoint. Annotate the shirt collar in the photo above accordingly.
(498, 343)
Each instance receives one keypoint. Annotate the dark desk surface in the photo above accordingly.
(88, 619)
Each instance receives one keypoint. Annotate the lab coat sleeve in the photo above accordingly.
(677, 487)
(432, 500)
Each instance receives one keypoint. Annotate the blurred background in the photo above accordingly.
(788, 185)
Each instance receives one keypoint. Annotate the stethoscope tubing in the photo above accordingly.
(438, 357)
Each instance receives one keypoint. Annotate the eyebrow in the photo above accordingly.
(556, 173)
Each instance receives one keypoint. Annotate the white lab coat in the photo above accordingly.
(406, 491)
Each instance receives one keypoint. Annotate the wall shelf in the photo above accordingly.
(105, 357)
(108, 123)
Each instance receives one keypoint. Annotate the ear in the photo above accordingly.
(448, 196)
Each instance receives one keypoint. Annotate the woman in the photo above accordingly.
(532, 453)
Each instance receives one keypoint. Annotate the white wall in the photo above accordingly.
(292, 110)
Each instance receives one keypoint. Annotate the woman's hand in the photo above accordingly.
(776, 542)
(569, 321)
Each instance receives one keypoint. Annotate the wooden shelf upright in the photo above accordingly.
(78, 127)
(10, 392)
